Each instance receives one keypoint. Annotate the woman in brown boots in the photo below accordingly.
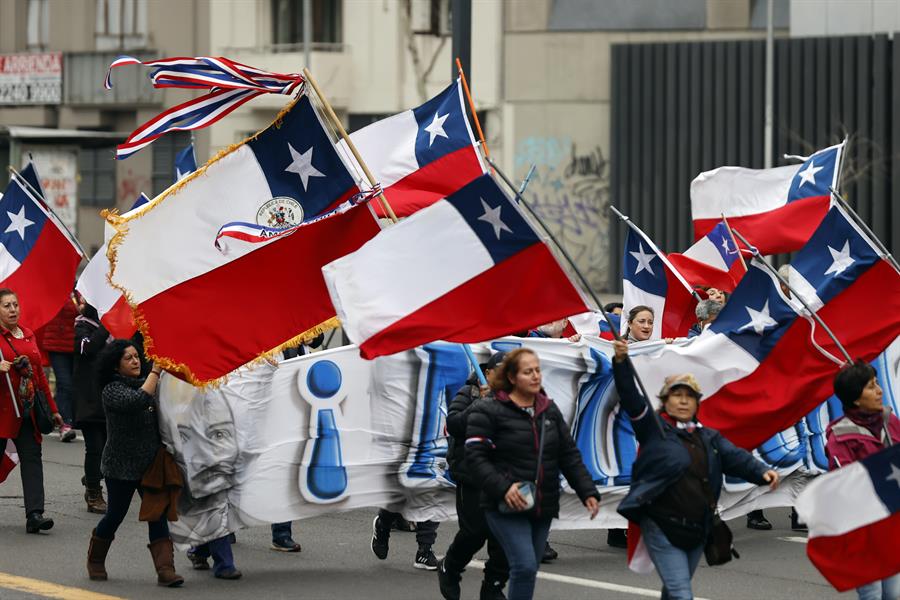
(132, 443)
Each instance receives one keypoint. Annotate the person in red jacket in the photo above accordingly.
(867, 427)
(58, 341)
(20, 375)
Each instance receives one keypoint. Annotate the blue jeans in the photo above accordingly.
(886, 589)
(63, 363)
(220, 550)
(674, 565)
(281, 532)
(523, 541)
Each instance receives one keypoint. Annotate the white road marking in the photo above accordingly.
(795, 539)
(591, 583)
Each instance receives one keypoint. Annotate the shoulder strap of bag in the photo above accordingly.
(540, 456)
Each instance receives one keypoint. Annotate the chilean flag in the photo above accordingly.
(38, 257)
(93, 285)
(853, 515)
(777, 209)
(207, 313)
(714, 260)
(8, 460)
(185, 162)
(593, 323)
(650, 280)
(466, 269)
(756, 364)
(421, 155)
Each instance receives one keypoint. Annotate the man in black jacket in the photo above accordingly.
(473, 529)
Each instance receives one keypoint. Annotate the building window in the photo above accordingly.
(287, 21)
(38, 28)
(97, 176)
(164, 151)
(121, 24)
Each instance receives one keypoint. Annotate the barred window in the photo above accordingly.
(287, 21)
(164, 151)
(97, 176)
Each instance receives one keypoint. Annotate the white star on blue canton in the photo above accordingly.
(808, 175)
(895, 475)
(18, 223)
(759, 319)
(643, 260)
(302, 165)
(840, 259)
(492, 216)
(727, 247)
(436, 128)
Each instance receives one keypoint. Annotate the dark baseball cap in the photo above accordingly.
(494, 361)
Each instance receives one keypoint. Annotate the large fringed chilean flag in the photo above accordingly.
(853, 515)
(466, 269)
(757, 364)
(38, 256)
(421, 155)
(205, 312)
(777, 209)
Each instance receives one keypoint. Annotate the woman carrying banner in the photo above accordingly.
(640, 324)
(677, 477)
(132, 443)
(517, 444)
(21, 376)
(866, 428)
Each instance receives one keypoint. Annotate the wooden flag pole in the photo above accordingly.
(734, 241)
(337, 124)
(462, 77)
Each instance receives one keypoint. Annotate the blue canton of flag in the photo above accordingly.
(721, 239)
(442, 126)
(757, 314)
(185, 162)
(642, 267)
(301, 164)
(816, 175)
(837, 254)
(21, 223)
(884, 469)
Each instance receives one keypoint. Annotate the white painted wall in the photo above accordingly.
(844, 17)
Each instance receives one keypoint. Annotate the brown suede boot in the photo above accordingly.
(96, 557)
(94, 499)
(164, 560)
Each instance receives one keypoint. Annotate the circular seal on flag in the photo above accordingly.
(280, 212)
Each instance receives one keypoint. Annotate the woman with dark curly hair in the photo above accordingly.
(132, 443)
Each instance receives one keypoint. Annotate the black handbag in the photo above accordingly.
(43, 419)
(719, 547)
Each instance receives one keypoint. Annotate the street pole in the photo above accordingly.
(461, 18)
(307, 33)
(770, 84)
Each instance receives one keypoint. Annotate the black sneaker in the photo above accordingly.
(549, 554)
(491, 590)
(617, 538)
(757, 520)
(448, 581)
(199, 563)
(37, 522)
(425, 559)
(796, 524)
(380, 540)
(401, 524)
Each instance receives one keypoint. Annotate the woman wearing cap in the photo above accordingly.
(867, 427)
(517, 445)
(677, 477)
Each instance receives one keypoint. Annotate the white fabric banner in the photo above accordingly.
(332, 432)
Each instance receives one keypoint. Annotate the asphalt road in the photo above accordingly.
(336, 561)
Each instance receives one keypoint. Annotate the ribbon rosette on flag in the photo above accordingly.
(204, 313)
(467, 268)
(230, 85)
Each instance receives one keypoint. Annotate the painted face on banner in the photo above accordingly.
(209, 445)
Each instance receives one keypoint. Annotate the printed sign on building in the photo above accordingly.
(57, 169)
(33, 78)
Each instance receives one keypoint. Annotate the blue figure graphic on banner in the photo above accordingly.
(323, 476)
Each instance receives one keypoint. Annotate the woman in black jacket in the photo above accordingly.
(132, 443)
(90, 338)
(677, 477)
(517, 444)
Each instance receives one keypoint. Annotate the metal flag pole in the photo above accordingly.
(12, 394)
(38, 199)
(340, 127)
(581, 278)
(527, 179)
(881, 247)
(658, 252)
(794, 294)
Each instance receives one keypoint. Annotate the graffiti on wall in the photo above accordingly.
(570, 192)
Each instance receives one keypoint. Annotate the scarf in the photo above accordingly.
(690, 426)
(873, 421)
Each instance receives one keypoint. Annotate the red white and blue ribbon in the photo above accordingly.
(252, 233)
(230, 85)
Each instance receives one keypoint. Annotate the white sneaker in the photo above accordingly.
(66, 433)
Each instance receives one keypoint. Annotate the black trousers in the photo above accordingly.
(31, 467)
(119, 493)
(426, 531)
(472, 534)
(94, 441)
